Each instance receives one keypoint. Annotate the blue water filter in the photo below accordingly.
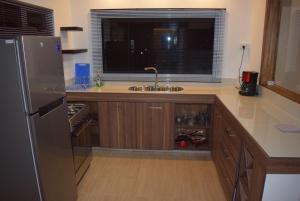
(82, 73)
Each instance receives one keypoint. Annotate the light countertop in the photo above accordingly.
(258, 115)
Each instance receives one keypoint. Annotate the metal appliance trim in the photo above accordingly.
(30, 130)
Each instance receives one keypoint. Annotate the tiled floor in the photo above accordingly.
(150, 176)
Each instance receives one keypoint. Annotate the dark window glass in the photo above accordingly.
(176, 46)
(10, 15)
(36, 20)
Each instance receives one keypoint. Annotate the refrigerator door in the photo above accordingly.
(42, 70)
(17, 170)
(51, 137)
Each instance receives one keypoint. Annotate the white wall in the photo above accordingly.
(245, 21)
(257, 18)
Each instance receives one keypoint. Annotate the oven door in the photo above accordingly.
(82, 148)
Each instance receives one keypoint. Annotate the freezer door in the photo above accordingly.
(42, 70)
(51, 137)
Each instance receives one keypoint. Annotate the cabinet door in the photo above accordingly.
(251, 176)
(223, 158)
(108, 124)
(217, 132)
(126, 117)
(117, 124)
(154, 125)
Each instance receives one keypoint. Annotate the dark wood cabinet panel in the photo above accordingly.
(154, 125)
(230, 165)
(246, 167)
(226, 149)
(94, 127)
(117, 124)
(126, 123)
(226, 183)
(135, 125)
(223, 157)
(217, 129)
(238, 159)
(232, 139)
(147, 121)
(108, 124)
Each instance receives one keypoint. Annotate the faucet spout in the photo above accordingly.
(156, 77)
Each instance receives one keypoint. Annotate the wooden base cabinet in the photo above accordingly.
(117, 125)
(241, 174)
(246, 167)
(154, 125)
(251, 175)
(226, 148)
(128, 125)
(241, 163)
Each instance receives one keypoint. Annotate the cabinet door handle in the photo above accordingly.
(229, 133)
(155, 108)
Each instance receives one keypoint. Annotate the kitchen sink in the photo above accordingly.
(159, 88)
(136, 88)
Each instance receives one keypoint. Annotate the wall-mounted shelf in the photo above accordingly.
(74, 51)
(71, 29)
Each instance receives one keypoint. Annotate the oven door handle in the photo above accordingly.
(83, 126)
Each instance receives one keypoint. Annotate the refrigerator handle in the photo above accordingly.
(51, 106)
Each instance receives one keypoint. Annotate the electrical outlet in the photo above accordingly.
(244, 45)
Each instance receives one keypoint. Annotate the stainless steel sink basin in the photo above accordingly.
(152, 88)
(175, 89)
(136, 88)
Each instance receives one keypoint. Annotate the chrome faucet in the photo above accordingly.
(156, 77)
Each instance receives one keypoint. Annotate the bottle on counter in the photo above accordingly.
(98, 81)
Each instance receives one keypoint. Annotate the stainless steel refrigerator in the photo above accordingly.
(35, 145)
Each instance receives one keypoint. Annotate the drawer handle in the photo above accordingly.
(228, 132)
(155, 108)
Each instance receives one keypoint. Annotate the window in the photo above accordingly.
(280, 57)
(9, 15)
(185, 45)
(36, 20)
(19, 18)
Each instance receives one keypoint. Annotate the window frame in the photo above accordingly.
(270, 49)
(217, 14)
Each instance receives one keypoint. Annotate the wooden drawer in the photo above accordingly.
(227, 185)
(230, 165)
(231, 139)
